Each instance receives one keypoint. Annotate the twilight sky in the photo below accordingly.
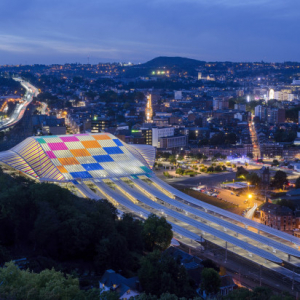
(66, 31)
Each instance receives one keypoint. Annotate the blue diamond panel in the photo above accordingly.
(118, 142)
(81, 175)
(144, 168)
(92, 167)
(113, 150)
(102, 158)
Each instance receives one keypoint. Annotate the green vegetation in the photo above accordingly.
(279, 179)
(181, 171)
(258, 293)
(241, 173)
(210, 281)
(219, 138)
(297, 183)
(156, 233)
(167, 174)
(287, 203)
(47, 285)
(160, 273)
(58, 229)
(283, 135)
(253, 178)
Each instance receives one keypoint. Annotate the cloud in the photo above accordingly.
(137, 30)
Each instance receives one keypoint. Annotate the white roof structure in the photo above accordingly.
(118, 172)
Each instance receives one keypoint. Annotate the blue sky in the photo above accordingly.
(66, 31)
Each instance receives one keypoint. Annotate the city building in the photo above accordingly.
(149, 111)
(240, 106)
(278, 217)
(172, 142)
(125, 288)
(99, 124)
(159, 132)
(275, 115)
(178, 95)
(260, 112)
(220, 103)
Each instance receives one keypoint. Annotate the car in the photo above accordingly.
(237, 195)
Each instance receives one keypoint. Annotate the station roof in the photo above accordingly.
(78, 156)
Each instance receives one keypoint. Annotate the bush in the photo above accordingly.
(166, 174)
(189, 172)
(179, 171)
(218, 169)
(210, 169)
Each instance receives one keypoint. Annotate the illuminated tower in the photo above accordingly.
(271, 94)
(149, 111)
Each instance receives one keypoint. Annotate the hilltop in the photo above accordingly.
(172, 64)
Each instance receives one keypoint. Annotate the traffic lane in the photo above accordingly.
(201, 179)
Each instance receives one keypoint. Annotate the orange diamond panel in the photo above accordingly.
(101, 137)
(80, 152)
(90, 144)
(68, 161)
(62, 169)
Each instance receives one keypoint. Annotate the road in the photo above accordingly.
(204, 178)
(20, 109)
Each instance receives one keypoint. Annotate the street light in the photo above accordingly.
(250, 197)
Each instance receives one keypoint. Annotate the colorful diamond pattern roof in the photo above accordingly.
(78, 156)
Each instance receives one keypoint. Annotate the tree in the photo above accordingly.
(208, 263)
(241, 172)
(49, 284)
(210, 169)
(157, 232)
(210, 281)
(261, 292)
(161, 273)
(218, 169)
(250, 155)
(172, 159)
(179, 171)
(287, 203)
(239, 294)
(297, 183)
(279, 179)
(253, 178)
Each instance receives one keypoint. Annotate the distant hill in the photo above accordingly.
(165, 61)
(172, 64)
